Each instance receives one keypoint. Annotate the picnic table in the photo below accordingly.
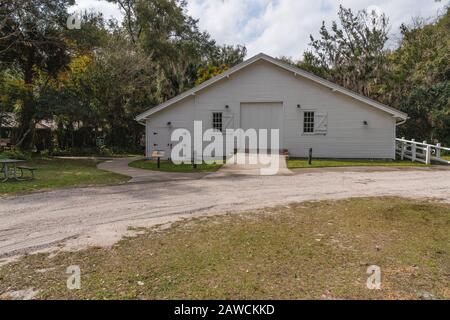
(9, 169)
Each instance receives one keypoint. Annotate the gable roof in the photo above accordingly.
(297, 71)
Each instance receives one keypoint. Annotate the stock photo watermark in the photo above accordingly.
(74, 280)
(74, 21)
(374, 280)
(192, 150)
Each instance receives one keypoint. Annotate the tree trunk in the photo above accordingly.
(27, 114)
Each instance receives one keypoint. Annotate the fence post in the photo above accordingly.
(402, 156)
(438, 150)
(425, 147)
(428, 155)
(194, 159)
(413, 150)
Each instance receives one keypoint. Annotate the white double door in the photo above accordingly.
(262, 115)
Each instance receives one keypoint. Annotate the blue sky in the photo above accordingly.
(281, 27)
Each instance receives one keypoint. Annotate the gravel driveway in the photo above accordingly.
(102, 215)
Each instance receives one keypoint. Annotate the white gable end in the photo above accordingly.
(297, 72)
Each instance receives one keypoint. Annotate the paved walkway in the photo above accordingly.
(120, 166)
(239, 164)
(253, 165)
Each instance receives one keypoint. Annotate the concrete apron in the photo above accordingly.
(250, 164)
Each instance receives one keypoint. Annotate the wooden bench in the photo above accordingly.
(30, 169)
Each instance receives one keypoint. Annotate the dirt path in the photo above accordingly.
(101, 216)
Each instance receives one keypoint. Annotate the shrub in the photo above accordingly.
(93, 151)
(15, 154)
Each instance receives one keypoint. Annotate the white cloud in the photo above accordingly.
(232, 20)
(280, 27)
(108, 9)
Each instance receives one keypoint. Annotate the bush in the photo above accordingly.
(92, 151)
(15, 154)
(75, 152)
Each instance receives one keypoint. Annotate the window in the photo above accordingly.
(217, 121)
(308, 122)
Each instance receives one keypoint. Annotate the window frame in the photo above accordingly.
(309, 115)
(215, 121)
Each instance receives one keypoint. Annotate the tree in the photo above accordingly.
(173, 41)
(429, 110)
(95, 80)
(351, 55)
(11, 89)
(221, 60)
(413, 77)
(32, 42)
(420, 73)
(204, 74)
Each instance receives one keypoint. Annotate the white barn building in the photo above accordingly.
(265, 93)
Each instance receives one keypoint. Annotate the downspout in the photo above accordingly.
(395, 143)
(145, 125)
(401, 122)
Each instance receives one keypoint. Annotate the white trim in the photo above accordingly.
(226, 75)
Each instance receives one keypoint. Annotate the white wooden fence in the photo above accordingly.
(420, 152)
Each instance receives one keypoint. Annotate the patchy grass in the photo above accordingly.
(55, 173)
(294, 163)
(314, 250)
(168, 166)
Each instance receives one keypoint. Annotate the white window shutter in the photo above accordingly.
(320, 123)
(227, 121)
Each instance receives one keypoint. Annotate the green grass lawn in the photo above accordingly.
(55, 173)
(294, 163)
(170, 167)
(312, 250)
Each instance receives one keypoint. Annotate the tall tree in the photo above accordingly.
(413, 77)
(221, 60)
(172, 39)
(420, 77)
(95, 80)
(31, 42)
(352, 53)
